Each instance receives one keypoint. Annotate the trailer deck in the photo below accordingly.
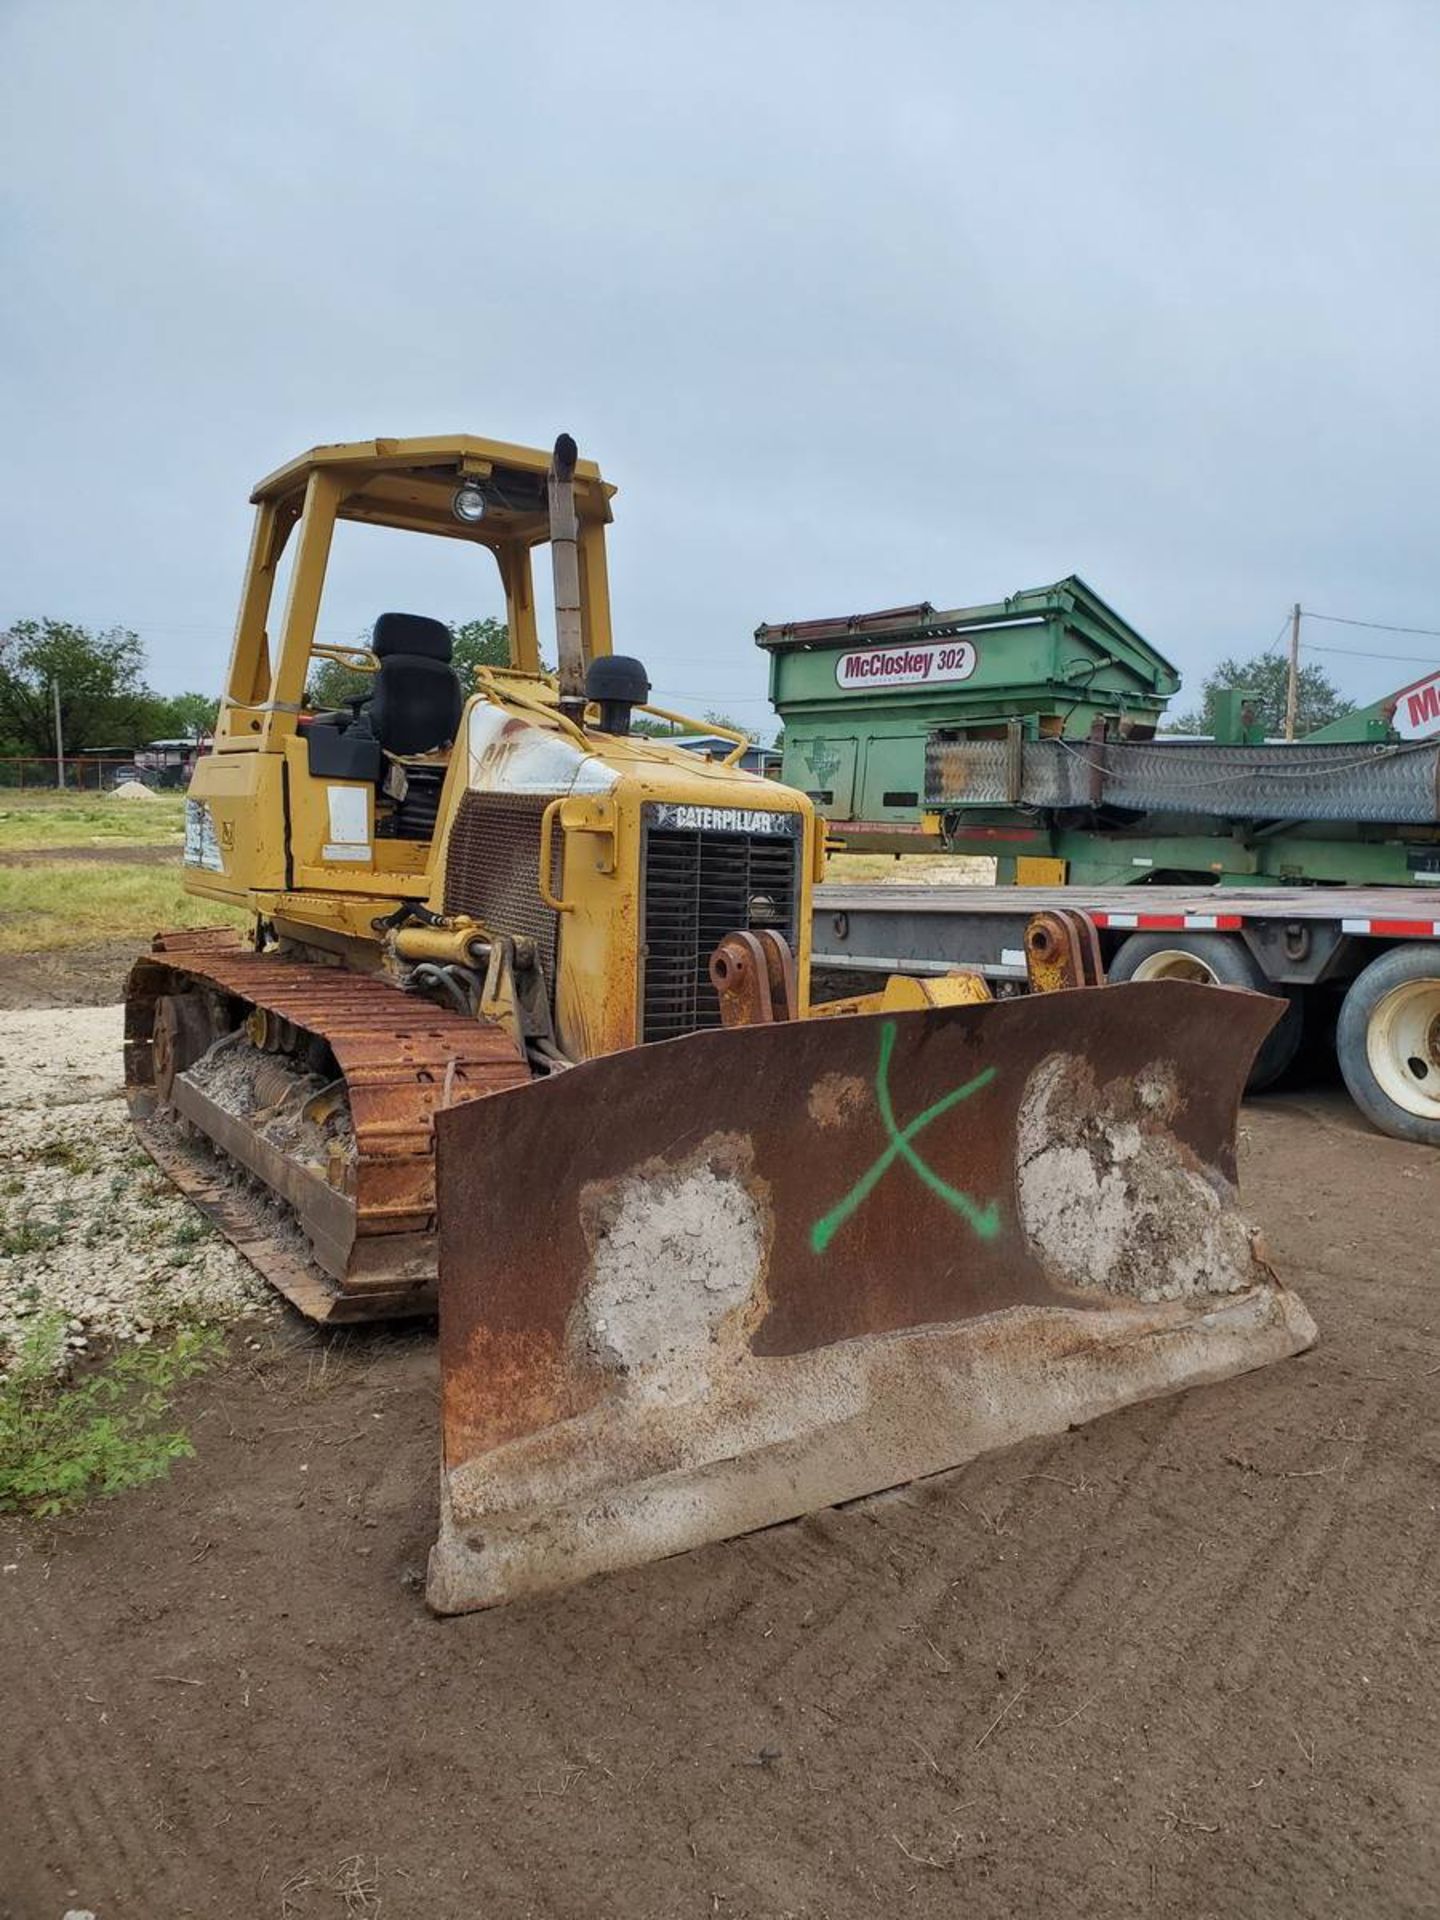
(1358, 966)
(911, 929)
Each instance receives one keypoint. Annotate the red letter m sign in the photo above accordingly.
(1422, 707)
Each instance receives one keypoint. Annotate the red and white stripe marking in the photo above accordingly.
(1395, 929)
(1171, 922)
(1231, 923)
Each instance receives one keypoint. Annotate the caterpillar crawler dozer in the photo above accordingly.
(521, 1019)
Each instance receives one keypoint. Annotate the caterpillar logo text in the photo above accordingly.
(725, 820)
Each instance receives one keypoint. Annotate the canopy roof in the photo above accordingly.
(411, 483)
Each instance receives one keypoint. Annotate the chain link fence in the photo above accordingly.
(93, 773)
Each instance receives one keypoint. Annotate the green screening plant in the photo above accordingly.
(63, 1442)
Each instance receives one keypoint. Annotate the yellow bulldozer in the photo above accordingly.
(520, 1026)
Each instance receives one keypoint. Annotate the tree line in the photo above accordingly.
(104, 698)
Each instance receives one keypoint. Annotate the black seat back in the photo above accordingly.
(416, 705)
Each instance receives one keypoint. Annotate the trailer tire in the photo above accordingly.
(1217, 960)
(1388, 1041)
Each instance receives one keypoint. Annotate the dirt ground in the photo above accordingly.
(105, 856)
(1182, 1662)
(91, 976)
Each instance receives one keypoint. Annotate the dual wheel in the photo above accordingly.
(1387, 1039)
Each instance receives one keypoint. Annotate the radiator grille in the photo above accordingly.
(699, 886)
(493, 865)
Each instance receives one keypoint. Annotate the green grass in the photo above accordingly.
(62, 1443)
(26, 1235)
(30, 821)
(77, 903)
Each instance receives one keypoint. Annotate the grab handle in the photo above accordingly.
(547, 842)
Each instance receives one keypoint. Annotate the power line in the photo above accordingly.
(730, 699)
(1363, 653)
(1357, 653)
(1378, 626)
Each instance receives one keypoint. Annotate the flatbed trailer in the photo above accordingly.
(1358, 966)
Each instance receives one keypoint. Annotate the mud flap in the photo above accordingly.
(703, 1286)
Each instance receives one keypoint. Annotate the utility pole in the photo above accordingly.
(59, 738)
(1292, 687)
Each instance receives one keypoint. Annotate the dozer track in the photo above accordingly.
(345, 1226)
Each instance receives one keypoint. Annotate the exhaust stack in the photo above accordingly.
(565, 566)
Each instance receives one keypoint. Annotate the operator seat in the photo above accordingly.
(416, 705)
(412, 711)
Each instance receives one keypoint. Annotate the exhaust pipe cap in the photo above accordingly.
(615, 683)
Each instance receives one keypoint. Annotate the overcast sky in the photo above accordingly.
(857, 304)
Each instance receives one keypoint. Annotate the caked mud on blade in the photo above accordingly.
(694, 1289)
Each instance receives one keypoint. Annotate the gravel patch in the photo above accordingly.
(88, 1223)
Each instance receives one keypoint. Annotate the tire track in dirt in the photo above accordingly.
(84, 1790)
(1225, 1623)
(956, 1516)
(1221, 1618)
(860, 1616)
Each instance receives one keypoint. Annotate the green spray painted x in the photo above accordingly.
(985, 1221)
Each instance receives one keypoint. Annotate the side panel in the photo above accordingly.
(333, 844)
(894, 778)
(823, 765)
(235, 839)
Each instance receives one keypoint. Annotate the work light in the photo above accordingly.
(468, 504)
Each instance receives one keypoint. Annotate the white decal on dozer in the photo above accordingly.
(349, 817)
(511, 755)
(202, 848)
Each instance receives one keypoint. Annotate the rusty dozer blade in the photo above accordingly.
(703, 1286)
